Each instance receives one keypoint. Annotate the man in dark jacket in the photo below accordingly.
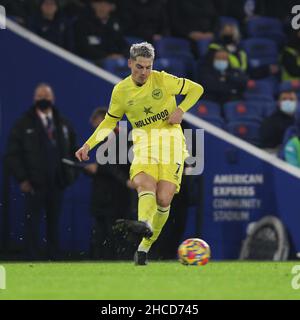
(193, 19)
(113, 197)
(274, 126)
(49, 23)
(36, 145)
(146, 19)
(18, 10)
(98, 34)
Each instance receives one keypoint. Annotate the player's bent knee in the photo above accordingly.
(165, 193)
(144, 183)
(163, 199)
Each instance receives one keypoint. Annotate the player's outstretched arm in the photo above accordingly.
(82, 153)
(102, 131)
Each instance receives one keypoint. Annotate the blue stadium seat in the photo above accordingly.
(228, 20)
(208, 111)
(261, 92)
(260, 51)
(242, 110)
(264, 106)
(267, 107)
(206, 108)
(261, 98)
(216, 121)
(266, 27)
(292, 85)
(264, 87)
(171, 65)
(272, 82)
(118, 67)
(202, 47)
(171, 47)
(131, 40)
(246, 130)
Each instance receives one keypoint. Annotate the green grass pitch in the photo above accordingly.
(157, 281)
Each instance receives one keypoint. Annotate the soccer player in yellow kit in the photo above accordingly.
(147, 98)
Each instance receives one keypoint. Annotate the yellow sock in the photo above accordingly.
(159, 220)
(147, 206)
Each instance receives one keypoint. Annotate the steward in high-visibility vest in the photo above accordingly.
(237, 58)
(290, 64)
(290, 58)
(229, 37)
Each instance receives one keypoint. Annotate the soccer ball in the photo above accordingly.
(194, 252)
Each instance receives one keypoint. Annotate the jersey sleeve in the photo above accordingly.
(113, 115)
(173, 84)
(116, 107)
(192, 90)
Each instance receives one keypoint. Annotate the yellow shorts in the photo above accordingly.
(162, 161)
(169, 172)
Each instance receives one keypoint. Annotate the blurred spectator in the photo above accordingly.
(291, 58)
(98, 34)
(243, 10)
(36, 145)
(193, 19)
(19, 10)
(49, 23)
(146, 19)
(221, 82)
(274, 126)
(292, 147)
(264, 71)
(111, 199)
(73, 8)
(229, 38)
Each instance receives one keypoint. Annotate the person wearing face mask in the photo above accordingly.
(229, 39)
(291, 58)
(222, 83)
(37, 143)
(274, 126)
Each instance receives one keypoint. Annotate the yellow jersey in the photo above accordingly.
(147, 107)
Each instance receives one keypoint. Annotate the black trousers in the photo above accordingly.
(106, 244)
(102, 240)
(43, 203)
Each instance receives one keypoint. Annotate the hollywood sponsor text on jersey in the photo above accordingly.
(159, 116)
